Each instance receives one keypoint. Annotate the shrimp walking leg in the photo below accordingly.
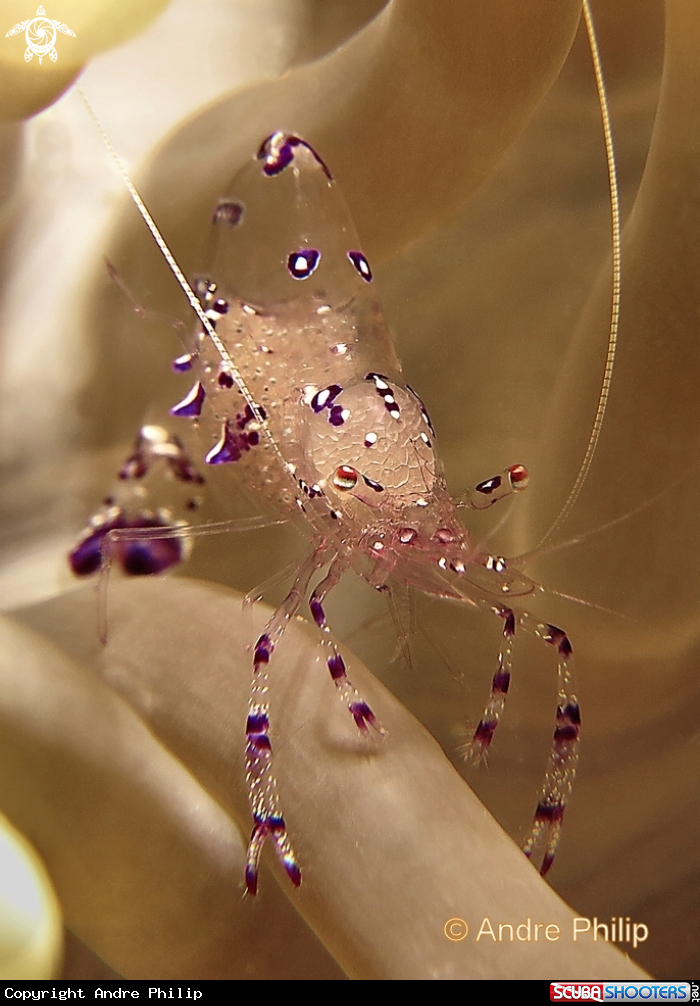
(563, 756)
(358, 708)
(262, 784)
(486, 728)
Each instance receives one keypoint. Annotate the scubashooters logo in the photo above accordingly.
(40, 33)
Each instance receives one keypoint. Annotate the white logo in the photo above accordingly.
(41, 35)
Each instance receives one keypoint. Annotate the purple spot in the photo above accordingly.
(571, 712)
(191, 405)
(258, 743)
(183, 363)
(564, 648)
(317, 612)
(293, 871)
(553, 813)
(501, 682)
(483, 735)
(546, 864)
(233, 444)
(509, 622)
(325, 398)
(225, 451)
(262, 650)
(361, 265)
(557, 637)
(336, 417)
(489, 486)
(566, 734)
(251, 878)
(362, 715)
(148, 557)
(221, 306)
(336, 665)
(86, 558)
(224, 379)
(373, 485)
(302, 263)
(278, 153)
(140, 557)
(257, 723)
(228, 212)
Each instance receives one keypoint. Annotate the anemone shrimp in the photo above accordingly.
(494, 423)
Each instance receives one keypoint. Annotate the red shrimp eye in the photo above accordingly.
(345, 478)
(519, 476)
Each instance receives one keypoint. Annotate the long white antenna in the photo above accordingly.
(231, 368)
(616, 280)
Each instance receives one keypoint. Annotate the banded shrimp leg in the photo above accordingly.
(491, 575)
(564, 752)
(262, 785)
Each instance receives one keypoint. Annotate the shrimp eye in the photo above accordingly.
(345, 478)
(519, 477)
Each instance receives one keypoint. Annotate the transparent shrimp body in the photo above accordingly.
(349, 443)
(298, 389)
(334, 431)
